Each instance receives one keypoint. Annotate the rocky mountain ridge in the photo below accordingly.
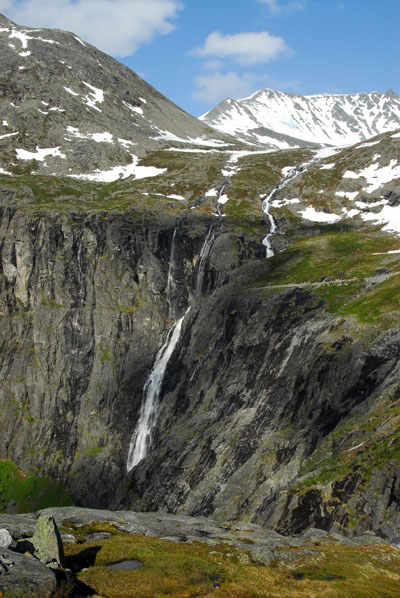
(69, 109)
(282, 120)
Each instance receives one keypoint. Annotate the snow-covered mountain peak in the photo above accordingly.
(282, 120)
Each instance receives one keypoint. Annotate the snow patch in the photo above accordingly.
(350, 213)
(211, 193)
(104, 137)
(223, 199)
(8, 135)
(347, 194)
(369, 144)
(327, 166)
(279, 203)
(40, 154)
(377, 175)
(96, 96)
(70, 91)
(349, 174)
(179, 197)
(389, 216)
(23, 38)
(311, 214)
(285, 170)
(121, 172)
(125, 142)
(168, 136)
(136, 109)
(80, 41)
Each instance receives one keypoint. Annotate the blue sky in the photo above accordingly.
(198, 52)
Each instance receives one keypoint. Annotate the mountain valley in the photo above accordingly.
(279, 405)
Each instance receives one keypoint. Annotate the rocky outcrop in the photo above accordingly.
(89, 113)
(25, 575)
(47, 543)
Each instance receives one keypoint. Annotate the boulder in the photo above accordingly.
(47, 543)
(5, 538)
(25, 575)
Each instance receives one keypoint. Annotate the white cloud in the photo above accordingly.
(118, 27)
(216, 87)
(245, 48)
(276, 7)
(213, 65)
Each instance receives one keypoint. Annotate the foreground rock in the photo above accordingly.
(5, 538)
(47, 543)
(264, 545)
(25, 574)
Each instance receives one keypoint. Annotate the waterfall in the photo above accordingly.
(267, 204)
(203, 260)
(209, 242)
(171, 284)
(141, 438)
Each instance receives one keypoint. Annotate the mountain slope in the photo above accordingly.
(286, 120)
(76, 111)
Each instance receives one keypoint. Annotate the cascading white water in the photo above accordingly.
(267, 201)
(141, 438)
(266, 205)
(170, 279)
(208, 244)
(203, 260)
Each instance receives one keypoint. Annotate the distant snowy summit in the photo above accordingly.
(283, 120)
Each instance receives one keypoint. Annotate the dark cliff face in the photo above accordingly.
(258, 384)
(83, 313)
(262, 379)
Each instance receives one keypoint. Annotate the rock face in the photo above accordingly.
(257, 387)
(90, 321)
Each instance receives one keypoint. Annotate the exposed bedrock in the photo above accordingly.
(83, 313)
(258, 381)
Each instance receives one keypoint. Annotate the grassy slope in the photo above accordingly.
(24, 493)
(182, 570)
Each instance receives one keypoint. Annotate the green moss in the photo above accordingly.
(105, 354)
(28, 492)
(183, 570)
(380, 301)
(379, 430)
(45, 301)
